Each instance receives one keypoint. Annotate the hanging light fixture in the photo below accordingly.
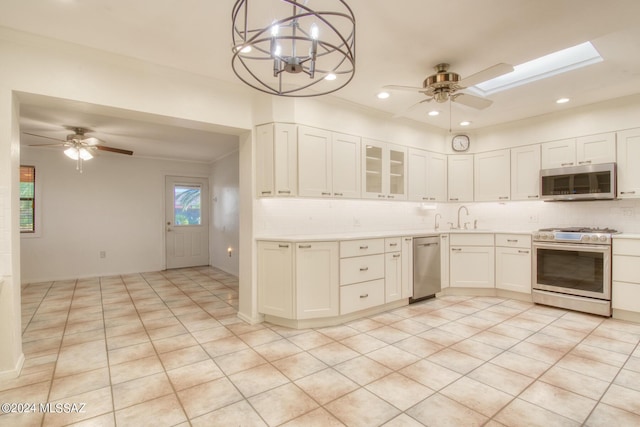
(78, 153)
(286, 48)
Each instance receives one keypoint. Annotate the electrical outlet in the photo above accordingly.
(628, 211)
(103, 254)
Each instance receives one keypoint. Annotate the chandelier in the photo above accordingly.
(286, 48)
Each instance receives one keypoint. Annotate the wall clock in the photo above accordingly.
(460, 143)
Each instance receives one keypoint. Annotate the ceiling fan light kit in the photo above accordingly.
(288, 48)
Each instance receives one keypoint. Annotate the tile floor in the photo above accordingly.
(166, 348)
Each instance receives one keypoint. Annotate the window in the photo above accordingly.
(186, 204)
(27, 199)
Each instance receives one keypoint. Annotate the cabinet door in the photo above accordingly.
(374, 186)
(558, 154)
(418, 175)
(314, 162)
(525, 173)
(275, 279)
(596, 149)
(444, 261)
(472, 266)
(491, 176)
(317, 287)
(407, 267)
(393, 276)
(628, 154)
(397, 172)
(285, 159)
(437, 177)
(513, 269)
(460, 177)
(264, 161)
(345, 164)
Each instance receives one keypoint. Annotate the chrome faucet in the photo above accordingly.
(459, 209)
(436, 224)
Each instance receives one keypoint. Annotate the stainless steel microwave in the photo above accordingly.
(587, 182)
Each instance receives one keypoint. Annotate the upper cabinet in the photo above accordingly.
(629, 163)
(384, 174)
(492, 176)
(276, 160)
(584, 150)
(525, 172)
(427, 176)
(328, 164)
(460, 177)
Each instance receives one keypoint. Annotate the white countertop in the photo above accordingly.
(353, 235)
(627, 236)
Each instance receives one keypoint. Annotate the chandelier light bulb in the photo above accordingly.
(315, 32)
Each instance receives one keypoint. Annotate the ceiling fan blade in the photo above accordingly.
(406, 88)
(42, 136)
(405, 111)
(113, 150)
(471, 101)
(486, 74)
(60, 144)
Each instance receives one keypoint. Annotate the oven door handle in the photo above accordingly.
(572, 246)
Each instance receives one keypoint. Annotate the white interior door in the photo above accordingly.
(186, 221)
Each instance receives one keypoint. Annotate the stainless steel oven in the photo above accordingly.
(572, 269)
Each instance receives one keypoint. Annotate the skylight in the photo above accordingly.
(546, 66)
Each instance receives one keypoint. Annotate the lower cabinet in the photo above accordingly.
(626, 276)
(513, 262)
(393, 276)
(471, 261)
(362, 274)
(275, 279)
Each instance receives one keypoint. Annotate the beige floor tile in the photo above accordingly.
(364, 325)
(326, 385)
(316, 418)
(418, 346)
(211, 334)
(605, 416)
(239, 414)
(538, 352)
(135, 369)
(339, 332)
(299, 365)
(403, 420)
(131, 353)
(257, 380)
(177, 342)
(393, 357)
(105, 420)
(560, 401)
(208, 397)
(333, 353)
(277, 349)
(441, 337)
(140, 390)
(96, 402)
(184, 356)
(629, 379)
(143, 413)
(410, 326)
(26, 378)
(72, 385)
(120, 341)
(438, 410)
(589, 367)
(310, 340)
(549, 341)
(521, 364)
(576, 382)
(282, 404)
(477, 396)
(239, 361)
(623, 398)
(564, 333)
(477, 349)
(388, 334)
(224, 346)
(521, 413)
(511, 331)
(362, 408)
(399, 391)
(501, 378)
(194, 374)
(430, 374)
(83, 357)
(363, 343)
(600, 355)
(362, 370)
(455, 360)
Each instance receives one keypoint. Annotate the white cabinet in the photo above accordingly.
(393, 269)
(317, 290)
(444, 261)
(525, 172)
(584, 150)
(407, 267)
(362, 274)
(629, 163)
(328, 163)
(460, 177)
(492, 176)
(275, 279)
(427, 176)
(513, 262)
(471, 260)
(384, 172)
(276, 160)
(626, 275)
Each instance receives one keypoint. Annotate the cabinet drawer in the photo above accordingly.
(626, 247)
(392, 244)
(471, 239)
(361, 296)
(361, 269)
(625, 296)
(626, 268)
(513, 240)
(351, 248)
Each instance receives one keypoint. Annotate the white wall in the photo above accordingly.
(225, 222)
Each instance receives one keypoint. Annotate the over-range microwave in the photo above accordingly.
(586, 182)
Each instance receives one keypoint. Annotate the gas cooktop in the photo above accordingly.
(575, 235)
(581, 230)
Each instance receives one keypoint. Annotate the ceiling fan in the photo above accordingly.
(446, 85)
(79, 146)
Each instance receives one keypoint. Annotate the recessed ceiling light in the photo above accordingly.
(562, 100)
(434, 113)
(546, 66)
(331, 77)
(465, 123)
(383, 95)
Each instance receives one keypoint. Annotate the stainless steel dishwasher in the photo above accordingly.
(426, 267)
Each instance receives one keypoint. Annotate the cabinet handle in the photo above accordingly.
(408, 239)
(425, 198)
(628, 192)
(453, 199)
(533, 197)
(325, 194)
(390, 197)
(283, 246)
(266, 192)
(503, 198)
(393, 244)
(396, 255)
(337, 194)
(364, 296)
(432, 198)
(364, 247)
(512, 240)
(566, 164)
(284, 191)
(380, 195)
(304, 246)
(364, 268)
(456, 249)
(586, 162)
(443, 236)
(523, 252)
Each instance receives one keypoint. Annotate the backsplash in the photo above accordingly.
(319, 216)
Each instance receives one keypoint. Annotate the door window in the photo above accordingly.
(186, 205)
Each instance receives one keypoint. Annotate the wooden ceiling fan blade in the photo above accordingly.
(60, 144)
(486, 74)
(42, 136)
(471, 101)
(113, 150)
(405, 88)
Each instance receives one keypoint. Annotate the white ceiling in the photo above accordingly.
(397, 42)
